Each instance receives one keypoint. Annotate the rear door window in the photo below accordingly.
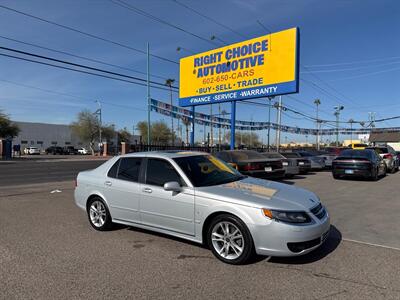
(129, 168)
(114, 170)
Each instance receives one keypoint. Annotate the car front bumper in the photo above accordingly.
(282, 239)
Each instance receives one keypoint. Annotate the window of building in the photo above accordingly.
(39, 142)
(54, 143)
(67, 143)
(24, 142)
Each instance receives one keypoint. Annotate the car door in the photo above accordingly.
(122, 189)
(163, 209)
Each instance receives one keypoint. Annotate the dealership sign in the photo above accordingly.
(260, 67)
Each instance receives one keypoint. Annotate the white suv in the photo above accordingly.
(31, 150)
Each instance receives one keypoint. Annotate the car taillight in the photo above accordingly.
(250, 167)
(388, 156)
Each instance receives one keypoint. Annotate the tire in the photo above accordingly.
(393, 170)
(235, 249)
(336, 176)
(99, 221)
(375, 175)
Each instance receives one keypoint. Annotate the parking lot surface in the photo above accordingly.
(48, 250)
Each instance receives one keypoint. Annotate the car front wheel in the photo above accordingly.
(98, 214)
(230, 240)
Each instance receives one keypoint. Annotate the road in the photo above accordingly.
(43, 170)
(48, 250)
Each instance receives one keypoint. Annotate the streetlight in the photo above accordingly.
(269, 122)
(317, 102)
(337, 114)
(351, 121)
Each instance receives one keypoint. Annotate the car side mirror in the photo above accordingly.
(172, 186)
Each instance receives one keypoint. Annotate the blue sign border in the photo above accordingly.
(282, 88)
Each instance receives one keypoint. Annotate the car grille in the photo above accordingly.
(319, 211)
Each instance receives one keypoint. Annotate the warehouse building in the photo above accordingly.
(44, 135)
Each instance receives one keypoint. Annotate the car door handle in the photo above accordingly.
(147, 190)
(108, 183)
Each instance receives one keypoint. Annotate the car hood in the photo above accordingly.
(261, 193)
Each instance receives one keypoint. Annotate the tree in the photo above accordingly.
(86, 128)
(249, 139)
(124, 135)
(8, 129)
(186, 122)
(160, 133)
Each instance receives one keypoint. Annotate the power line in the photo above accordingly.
(351, 69)
(81, 66)
(354, 62)
(85, 33)
(208, 18)
(366, 74)
(150, 16)
(70, 95)
(78, 56)
(80, 71)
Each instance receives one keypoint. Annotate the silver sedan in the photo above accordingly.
(197, 197)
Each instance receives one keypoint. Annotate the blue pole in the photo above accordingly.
(192, 133)
(233, 122)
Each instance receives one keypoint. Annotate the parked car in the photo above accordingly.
(197, 197)
(70, 150)
(83, 151)
(361, 163)
(389, 156)
(32, 151)
(317, 162)
(289, 164)
(252, 163)
(304, 164)
(54, 150)
(359, 146)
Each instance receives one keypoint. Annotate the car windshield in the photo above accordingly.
(380, 150)
(245, 155)
(272, 155)
(305, 154)
(356, 154)
(206, 170)
(290, 155)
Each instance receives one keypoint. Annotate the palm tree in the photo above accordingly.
(186, 122)
(169, 82)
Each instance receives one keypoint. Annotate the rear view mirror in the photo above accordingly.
(172, 186)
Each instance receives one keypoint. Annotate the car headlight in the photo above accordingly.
(287, 216)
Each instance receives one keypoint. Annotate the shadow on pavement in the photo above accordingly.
(332, 242)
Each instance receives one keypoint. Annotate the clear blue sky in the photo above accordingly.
(351, 47)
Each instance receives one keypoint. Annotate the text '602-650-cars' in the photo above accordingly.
(198, 197)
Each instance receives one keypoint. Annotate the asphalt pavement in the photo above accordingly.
(48, 250)
(33, 170)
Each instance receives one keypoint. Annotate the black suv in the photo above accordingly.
(70, 150)
(54, 150)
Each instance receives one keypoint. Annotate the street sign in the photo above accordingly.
(259, 67)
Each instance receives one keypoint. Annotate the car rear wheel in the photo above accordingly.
(230, 240)
(375, 175)
(98, 214)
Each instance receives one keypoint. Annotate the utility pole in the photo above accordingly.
(351, 121)
(269, 123)
(219, 127)
(169, 82)
(98, 113)
(211, 126)
(278, 117)
(148, 97)
(317, 102)
(337, 114)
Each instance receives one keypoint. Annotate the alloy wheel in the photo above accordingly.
(227, 240)
(97, 213)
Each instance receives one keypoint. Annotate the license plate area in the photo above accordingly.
(348, 171)
(268, 169)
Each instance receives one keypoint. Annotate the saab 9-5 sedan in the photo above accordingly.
(195, 196)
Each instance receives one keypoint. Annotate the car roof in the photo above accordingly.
(165, 154)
